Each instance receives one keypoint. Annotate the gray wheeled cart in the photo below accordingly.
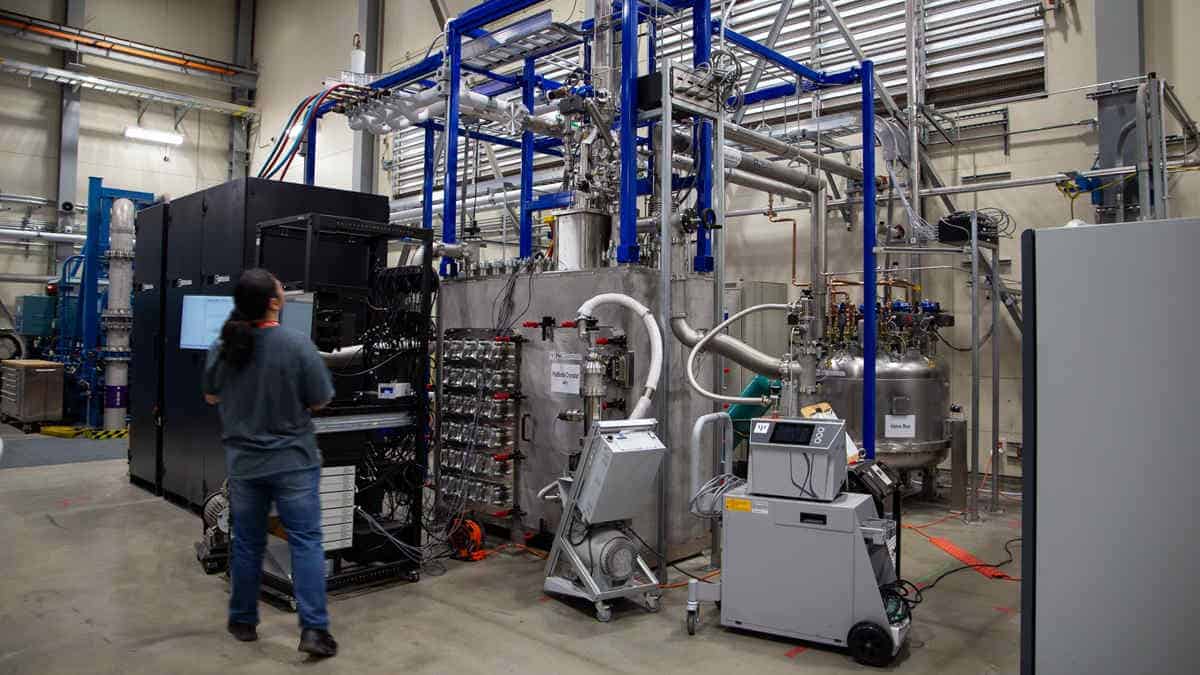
(808, 569)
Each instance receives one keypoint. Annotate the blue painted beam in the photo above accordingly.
(449, 266)
(310, 155)
(525, 241)
(869, 290)
(646, 186)
(553, 200)
(702, 139)
(627, 251)
(507, 79)
(767, 94)
(430, 166)
(819, 77)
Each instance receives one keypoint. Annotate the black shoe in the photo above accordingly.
(317, 642)
(244, 632)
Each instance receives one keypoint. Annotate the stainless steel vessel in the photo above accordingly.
(912, 403)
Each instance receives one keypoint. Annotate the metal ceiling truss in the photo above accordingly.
(31, 71)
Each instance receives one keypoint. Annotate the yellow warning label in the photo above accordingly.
(735, 504)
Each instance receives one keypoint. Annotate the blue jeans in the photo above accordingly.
(297, 499)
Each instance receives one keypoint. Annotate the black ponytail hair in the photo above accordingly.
(251, 300)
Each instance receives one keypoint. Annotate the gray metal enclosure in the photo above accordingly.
(469, 304)
(1109, 569)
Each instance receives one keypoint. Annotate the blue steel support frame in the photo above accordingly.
(628, 252)
(449, 266)
(430, 165)
(525, 242)
(868, 228)
(703, 141)
(310, 155)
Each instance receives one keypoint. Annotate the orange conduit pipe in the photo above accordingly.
(111, 46)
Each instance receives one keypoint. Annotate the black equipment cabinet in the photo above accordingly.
(146, 366)
(207, 239)
(382, 315)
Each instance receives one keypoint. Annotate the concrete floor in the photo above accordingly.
(99, 577)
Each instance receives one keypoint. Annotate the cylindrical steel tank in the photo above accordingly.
(581, 238)
(912, 401)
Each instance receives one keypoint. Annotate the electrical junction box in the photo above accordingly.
(35, 315)
(620, 470)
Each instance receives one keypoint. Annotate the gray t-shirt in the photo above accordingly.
(266, 427)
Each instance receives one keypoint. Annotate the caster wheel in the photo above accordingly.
(603, 613)
(652, 603)
(692, 617)
(870, 644)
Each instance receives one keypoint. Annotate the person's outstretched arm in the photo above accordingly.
(316, 384)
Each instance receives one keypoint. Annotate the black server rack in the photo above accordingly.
(212, 240)
(146, 366)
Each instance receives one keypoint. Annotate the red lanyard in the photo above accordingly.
(266, 324)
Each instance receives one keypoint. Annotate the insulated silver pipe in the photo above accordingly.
(736, 159)
(729, 347)
(17, 278)
(118, 317)
(817, 249)
(739, 134)
(12, 234)
(739, 177)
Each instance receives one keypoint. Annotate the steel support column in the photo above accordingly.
(364, 162)
(449, 266)
(430, 163)
(525, 248)
(869, 335)
(702, 52)
(68, 144)
(628, 252)
(239, 127)
(1120, 54)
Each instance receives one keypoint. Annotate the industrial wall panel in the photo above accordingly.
(1109, 560)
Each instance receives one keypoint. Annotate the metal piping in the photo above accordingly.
(30, 235)
(740, 134)
(729, 347)
(739, 177)
(72, 39)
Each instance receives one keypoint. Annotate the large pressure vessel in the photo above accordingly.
(912, 401)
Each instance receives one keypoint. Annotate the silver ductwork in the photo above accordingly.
(731, 348)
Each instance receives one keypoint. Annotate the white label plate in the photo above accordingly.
(565, 373)
(900, 426)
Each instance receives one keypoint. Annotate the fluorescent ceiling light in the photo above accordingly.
(154, 135)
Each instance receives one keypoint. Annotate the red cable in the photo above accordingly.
(311, 121)
(286, 128)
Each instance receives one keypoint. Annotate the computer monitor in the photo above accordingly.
(203, 316)
(297, 313)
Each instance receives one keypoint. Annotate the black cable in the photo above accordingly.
(677, 568)
(1007, 549)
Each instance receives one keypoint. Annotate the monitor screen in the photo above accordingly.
(297, 314)
(203, 316)
(792, 434)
